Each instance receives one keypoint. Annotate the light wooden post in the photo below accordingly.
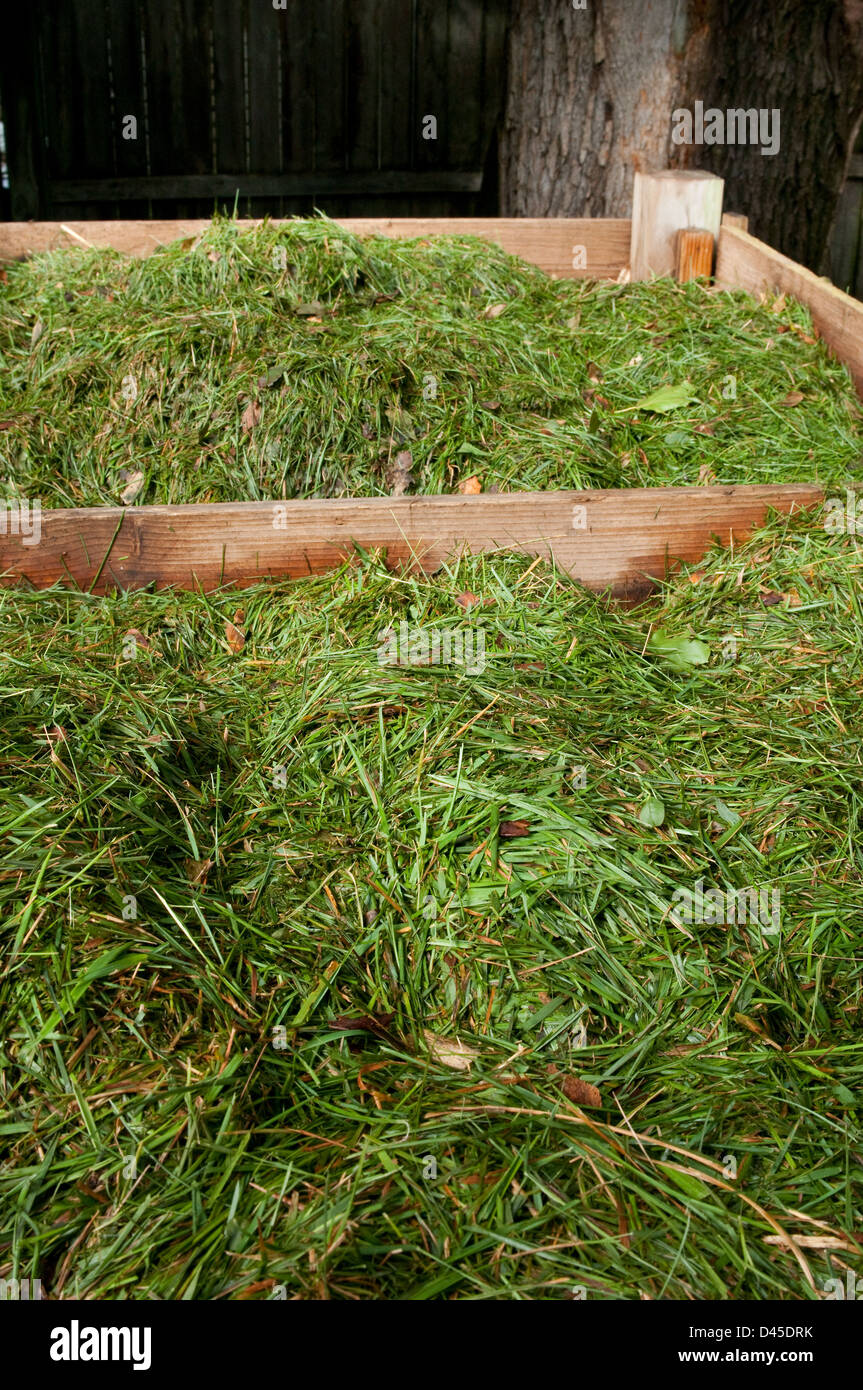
(665, 204)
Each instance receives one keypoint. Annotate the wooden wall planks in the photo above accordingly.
(239, 89)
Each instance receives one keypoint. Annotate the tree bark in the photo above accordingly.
(590, 95)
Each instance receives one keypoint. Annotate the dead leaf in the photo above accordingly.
(467, 599)
(793, 398)
(494, 311)
(469, 487)
(398, 474)
(449, 1051)
(580, 1092)
(513, 829)
(813, 1242)
(251, 416)
(197, 870)
(139, 639)
(236, 637)
(594, 372)
(38, 330)
(779, 304)
(706, 475)
(134, 483)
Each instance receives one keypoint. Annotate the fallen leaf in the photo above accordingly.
(38, 330)
(398, 475)
(467, 599)
(667, 398)
(580, 1092)
(594, 372)
(494, 311)
(139, 639)
(652, 812)
(779, 304)
(449, 1051)
(793, 398)
(134, 483)
(679, 652)
(271, 378)
(235, 636)
(706, 475)
(513, 829)
(197, 870)
(469, 487)
(251, 416)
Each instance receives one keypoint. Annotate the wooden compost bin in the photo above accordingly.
(617, 540)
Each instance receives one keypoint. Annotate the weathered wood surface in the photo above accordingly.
(569, 247)
(617, 540)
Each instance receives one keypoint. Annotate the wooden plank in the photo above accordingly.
(331, 138)
(298, 92)
(372, 181)
(619, 540)
(744, 262)
(265, 98)
(231, 97)
(463, 84)
(846, 261)
(127, 82)
(664, 204)
(22, 116)
(177, 34)
(545, 241)
(396, 118)
(430, 63)
(694, 254)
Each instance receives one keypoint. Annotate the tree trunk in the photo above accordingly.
(590, 95)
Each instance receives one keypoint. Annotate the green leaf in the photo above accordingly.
(652, 812)
(679, 652)
(667, 398)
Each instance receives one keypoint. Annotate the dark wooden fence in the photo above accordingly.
(846, 250)
(321, 103)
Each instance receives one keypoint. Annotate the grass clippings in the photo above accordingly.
(324, 977)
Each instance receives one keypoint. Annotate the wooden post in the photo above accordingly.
(665, 204)
(695, 249)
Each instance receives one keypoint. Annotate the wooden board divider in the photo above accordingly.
(617, 540)
(566, 247)
(745, 263)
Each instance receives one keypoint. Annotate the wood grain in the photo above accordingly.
(664, 204)
(744, 262)
(549, 242)
(618, 540)
(695, 250)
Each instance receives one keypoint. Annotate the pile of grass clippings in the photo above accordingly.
(326, 977)
(299, 360)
